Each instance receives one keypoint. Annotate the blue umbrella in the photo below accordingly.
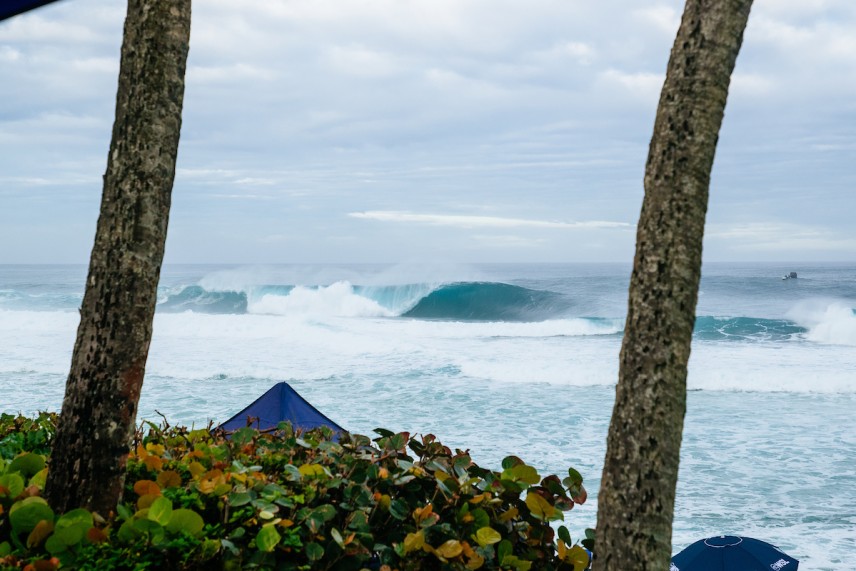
(731, 553)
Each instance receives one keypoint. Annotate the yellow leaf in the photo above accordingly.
(212, 482)
(487, 536)
(156, 449)
(169, 479)
(578, 557)
(539, 507)
(419, 514)
(196, 469)
(414, 541)
(449, 550)
(510, 514)
(312, 470)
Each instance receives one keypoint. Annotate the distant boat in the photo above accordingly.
(790, 276)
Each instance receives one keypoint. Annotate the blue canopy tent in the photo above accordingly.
(280, 403)
(733, 553)
(9, 8)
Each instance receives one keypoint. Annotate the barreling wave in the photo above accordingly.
(482, 301)
(818, 322)
(466, 301)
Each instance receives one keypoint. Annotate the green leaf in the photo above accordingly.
(186, 521)
(71, 527)
(399, 509)
(326, 512)
(480, 518)
(517, 563)
(5, 549)
(337, 537)
(522, 473)
(150, 529)
(487, 536)
(28, 464)
(210, 548)
(26, 513)
(575, 477)
(243, 436)
(503, 550)
(240, 499)
(55, 546)
(267, 538)
(124, 512)
(511, 461)
(160, 511)
(565, 535)
(14, 483)
(314, 551)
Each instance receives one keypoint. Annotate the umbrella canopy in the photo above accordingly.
(9, 8)
(732, 553)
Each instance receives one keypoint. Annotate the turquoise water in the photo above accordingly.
(504, 360)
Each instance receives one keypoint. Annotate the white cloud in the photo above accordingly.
(642, 85)
(361, 61)
(665, 18)
(782, 237)
(751, 84)
(464, 221)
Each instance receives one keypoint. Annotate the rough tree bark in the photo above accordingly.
(637, 492)
(99, 410)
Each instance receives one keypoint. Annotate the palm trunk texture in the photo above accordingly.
(637, 492)
(99, 410)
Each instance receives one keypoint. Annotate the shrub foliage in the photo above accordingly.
(197, 499)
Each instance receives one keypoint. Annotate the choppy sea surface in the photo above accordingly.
(504, 359)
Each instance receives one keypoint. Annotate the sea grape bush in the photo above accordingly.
(280, 499)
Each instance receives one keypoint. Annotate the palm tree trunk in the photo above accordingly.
(87, 466)
(637, 492)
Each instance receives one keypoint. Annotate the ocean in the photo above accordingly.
(500, 360)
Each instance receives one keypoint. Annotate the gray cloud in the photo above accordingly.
(299, 113)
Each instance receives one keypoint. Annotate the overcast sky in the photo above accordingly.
(431, 130)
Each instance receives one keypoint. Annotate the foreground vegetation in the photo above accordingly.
(196, 499)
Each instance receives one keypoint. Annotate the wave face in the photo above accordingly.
(198, 299)
(489, 302)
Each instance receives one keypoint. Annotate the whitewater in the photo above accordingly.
(504, 359)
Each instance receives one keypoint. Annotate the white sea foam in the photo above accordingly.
(828, 321)
(337, 299)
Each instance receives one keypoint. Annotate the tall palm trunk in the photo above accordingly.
(99, 410)
(637, 493)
